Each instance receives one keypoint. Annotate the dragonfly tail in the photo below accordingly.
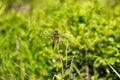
(53, 44)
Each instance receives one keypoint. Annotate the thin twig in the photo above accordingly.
(66, 53)
(70, 75)
(112, 68)
(86, 65)
(54, 77)
(61, 62)
(21, 69)
(114, 71)
(17, 45)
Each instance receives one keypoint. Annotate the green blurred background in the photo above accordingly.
(25, 47)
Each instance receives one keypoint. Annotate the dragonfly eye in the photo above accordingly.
(56, 31)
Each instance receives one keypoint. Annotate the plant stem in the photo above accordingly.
(61, 62)
(70, 75)
(66, 53)
(86, 65)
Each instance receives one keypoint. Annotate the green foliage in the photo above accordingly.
(26, 48)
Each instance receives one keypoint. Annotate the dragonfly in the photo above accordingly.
(55, 36)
